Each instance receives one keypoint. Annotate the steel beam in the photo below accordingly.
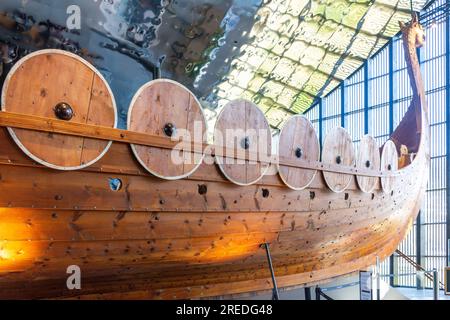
(342, 88)
(366, 97)
(321, 122)
(447, 119)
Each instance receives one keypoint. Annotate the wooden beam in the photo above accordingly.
(30, 122)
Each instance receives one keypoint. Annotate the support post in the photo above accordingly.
(366, 97)
(447, 123)
(320, 293)
(275, 295)
(307, 293)
(320, 123)
(419, 284)
(391, 86)
(448, 249)
(435, 284)
(317, 293)
(392, 270)
(342, 88)
(378, 279)
(391, 129)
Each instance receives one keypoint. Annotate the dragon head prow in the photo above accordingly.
(414, 31)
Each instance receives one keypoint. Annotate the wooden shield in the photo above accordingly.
(298, 142)
(389, 163)
(59, 85)
(241, 126)
(368, 158)
(168, 109)
(338, 151)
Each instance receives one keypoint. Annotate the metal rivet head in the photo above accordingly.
(338, 159)
(169, 129)
(389, 167)
(368, 164)
(245, 143)
(298, 152)
(63, 111)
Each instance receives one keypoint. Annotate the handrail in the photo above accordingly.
(418, 267)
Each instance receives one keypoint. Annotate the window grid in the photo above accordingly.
(432, 251)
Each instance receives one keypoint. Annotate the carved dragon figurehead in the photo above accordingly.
(413, 36)
(413, 32)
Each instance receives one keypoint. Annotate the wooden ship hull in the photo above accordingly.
(195, 237)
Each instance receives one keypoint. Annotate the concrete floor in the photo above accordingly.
(424, 294)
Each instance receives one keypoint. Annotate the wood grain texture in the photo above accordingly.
(389, 162)
(46, 78)
(298, 138)
(369, 158)
(54, 126)
(241, 120)
(338, 149)
(198, 237)
(156, 104)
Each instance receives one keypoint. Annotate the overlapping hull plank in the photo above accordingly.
(195, 237)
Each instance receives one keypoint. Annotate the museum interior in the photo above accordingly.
(225, 150)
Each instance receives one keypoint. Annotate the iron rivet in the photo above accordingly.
(245, 143)
(169, 129)
(63, 111)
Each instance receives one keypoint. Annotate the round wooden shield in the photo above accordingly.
(59, 85)
(166, 108)
(338, 151)
(389, 163)
(298, 142)
(241, 126)
(368, 158)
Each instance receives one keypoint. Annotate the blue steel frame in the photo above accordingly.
(447, 120)
(366, 107)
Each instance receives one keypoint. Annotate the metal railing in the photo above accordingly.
(435, 278)
(428, 274)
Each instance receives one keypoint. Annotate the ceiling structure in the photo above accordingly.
(301, 49)
(280, 54)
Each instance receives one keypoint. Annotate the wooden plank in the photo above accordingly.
(229, 133)
(101, 112)
(389, 162)
(368, 157)
(79, 86)
(260, 139)
(223, 277)
(164, 102)
(85, 190)
(8, 119)
(338, 150)
(298, 140)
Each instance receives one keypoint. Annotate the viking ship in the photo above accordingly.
(77, 191)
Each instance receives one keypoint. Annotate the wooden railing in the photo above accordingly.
(31, 122)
